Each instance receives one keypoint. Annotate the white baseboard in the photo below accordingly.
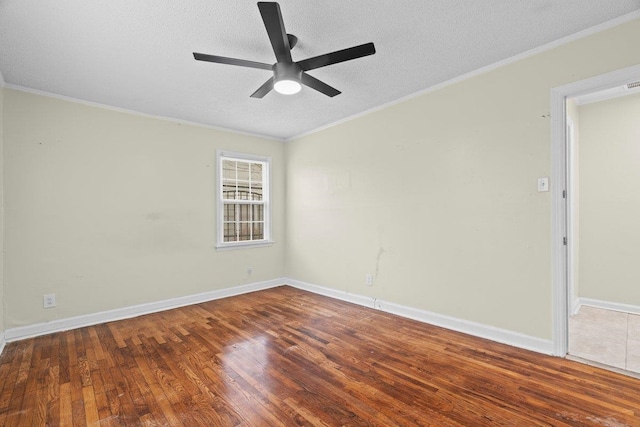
(575, 306)
(23, 332)
(3, 342)
(333, 293)
(504, 336)
(608, 305)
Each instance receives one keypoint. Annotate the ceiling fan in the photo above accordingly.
(289, 76)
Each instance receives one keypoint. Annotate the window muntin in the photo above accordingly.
(243, 202)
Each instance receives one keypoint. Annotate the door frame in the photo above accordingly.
(571, 215)
(560, 220)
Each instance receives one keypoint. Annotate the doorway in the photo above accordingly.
(577, 314)
(603, 207)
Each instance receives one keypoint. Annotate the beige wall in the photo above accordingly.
(109, 209)
(610, 200)
(437, 195)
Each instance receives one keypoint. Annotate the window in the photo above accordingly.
(243, 200)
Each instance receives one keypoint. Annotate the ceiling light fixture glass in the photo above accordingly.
(287, 87)
(287, 78)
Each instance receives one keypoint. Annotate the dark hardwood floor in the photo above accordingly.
(288, 357)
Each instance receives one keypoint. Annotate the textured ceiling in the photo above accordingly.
(137, 55)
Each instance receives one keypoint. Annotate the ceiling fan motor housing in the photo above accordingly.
(287, 77)
(287, 71)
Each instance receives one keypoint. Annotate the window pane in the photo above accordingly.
(256, 172)
(245, 231)
(229, 212)
(229, 190)
(243, 171)
(229, 169)
(256, 191)
(243, 212)
(258, 231)
(258, 213)
(243, 191)
(230, 232)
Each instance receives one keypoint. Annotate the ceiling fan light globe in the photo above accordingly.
(287, 86)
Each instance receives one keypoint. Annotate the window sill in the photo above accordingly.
(243, 245)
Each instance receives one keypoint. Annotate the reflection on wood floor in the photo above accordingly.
(287, 357)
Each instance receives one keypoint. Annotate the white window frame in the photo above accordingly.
(266, 200)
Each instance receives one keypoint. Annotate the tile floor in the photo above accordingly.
(606, 336)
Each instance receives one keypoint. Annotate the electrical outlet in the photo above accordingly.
(368, 280)
(249, 271)
(49, 300)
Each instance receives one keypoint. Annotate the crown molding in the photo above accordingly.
(541, 49)
(136, 113)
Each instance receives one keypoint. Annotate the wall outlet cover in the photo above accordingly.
(49, 300)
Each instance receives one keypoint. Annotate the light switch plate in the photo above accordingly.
(543, 184)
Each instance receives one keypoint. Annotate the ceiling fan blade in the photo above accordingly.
(264, 89)
(318, 85)
(337, 56)
(231, 61)
(275, 29)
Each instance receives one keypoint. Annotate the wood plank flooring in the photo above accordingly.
(285, 357)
